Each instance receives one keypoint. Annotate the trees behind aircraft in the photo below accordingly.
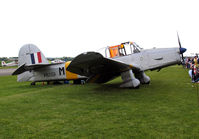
(10, 59)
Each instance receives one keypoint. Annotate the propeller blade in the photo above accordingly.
(179, 40)
(182, 50)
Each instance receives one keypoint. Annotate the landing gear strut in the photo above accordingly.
(129, 80)
(142, 77)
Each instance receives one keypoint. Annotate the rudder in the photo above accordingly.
(29, 54)
(3, 63)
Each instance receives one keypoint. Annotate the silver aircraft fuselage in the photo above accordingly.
(150, 59)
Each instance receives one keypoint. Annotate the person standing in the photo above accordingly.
(196, 60)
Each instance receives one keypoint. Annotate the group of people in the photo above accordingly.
(193, 65)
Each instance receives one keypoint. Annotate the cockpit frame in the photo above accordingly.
(121, 50)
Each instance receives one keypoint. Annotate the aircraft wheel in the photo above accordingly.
(77, 81)
(83, 81)
(33, 83)
(56, 83)
(137, 87)
(148, 82)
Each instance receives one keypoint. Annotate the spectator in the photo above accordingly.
(196, 61)
(188, 63)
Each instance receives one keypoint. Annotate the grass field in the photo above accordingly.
(167, 108)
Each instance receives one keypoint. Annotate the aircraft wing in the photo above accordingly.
(25, 67)
(98, 68)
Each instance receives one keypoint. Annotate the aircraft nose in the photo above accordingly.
(182, 50)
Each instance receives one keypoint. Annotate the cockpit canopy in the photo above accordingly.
(123, 49)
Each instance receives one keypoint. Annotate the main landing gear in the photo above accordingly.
(133, 81)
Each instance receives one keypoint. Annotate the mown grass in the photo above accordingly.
(167, 108)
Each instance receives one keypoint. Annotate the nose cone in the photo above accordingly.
(182, 50)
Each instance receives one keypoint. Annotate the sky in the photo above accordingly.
(70, 27)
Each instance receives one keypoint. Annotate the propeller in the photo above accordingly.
(182, 50)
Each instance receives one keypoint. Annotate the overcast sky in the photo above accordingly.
(70, 27)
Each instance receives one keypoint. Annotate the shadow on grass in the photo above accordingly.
(114, 88)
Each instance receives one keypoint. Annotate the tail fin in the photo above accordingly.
(29, 54)
(3, 63)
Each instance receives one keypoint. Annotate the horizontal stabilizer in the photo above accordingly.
(24, 68)
(19, 70)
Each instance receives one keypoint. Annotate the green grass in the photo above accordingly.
(167, 108)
